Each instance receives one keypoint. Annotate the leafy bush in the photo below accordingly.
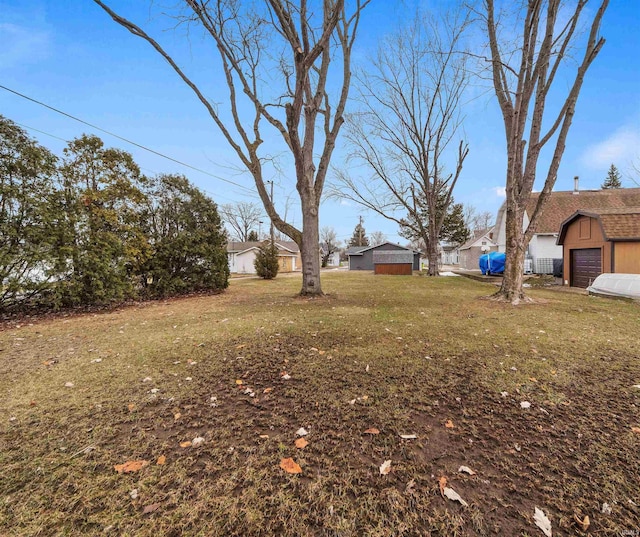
(266, 262)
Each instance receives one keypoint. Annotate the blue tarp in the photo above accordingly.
(492, 263)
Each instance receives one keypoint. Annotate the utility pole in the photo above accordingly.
(360, 232)
(271, 198)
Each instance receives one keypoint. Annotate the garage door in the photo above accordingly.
(586, 265)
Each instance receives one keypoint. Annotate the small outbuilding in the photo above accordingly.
(385, 258)
(597, 241)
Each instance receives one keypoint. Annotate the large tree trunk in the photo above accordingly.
(516, 246)
(432, 257)
(310, 250)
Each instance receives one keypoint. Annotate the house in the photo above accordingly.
(241, 256)
(385, 258)
(543, 248)
(334, 258)
(481, 242)
(596, 241)
(449, 253)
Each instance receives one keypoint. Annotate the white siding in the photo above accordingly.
(244, 262)
(546, 247)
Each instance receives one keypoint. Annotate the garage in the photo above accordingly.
(600, 241)
(586, 266)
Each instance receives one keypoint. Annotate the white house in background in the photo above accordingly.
(560, 206)
(242, 255)
(449, 253)
(482, 241)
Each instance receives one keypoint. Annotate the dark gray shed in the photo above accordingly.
(367, 257)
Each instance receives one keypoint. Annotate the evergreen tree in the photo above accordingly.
(454, 228)
(188, 241)
(266, 262)
(253, 236)
(613, 179)
(359, 237)
(28, 215)
(104, 245)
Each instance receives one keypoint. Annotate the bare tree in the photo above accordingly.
(276, 58)
(243, 217)
(410, 112)
(377, 237)
(523, 79)
(475, 220)
(329, 242)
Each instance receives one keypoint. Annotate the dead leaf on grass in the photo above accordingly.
(130, 466)
(454, 496)
(290, 466)
(264, 436)
(301, 443)
(131, 407)
(372, 430)
(466, 470)
(151, 508)
(239, 382)
(267, 390)
(635, 430)
(302, 432)
(449, 424)
(186, 443)
(161, 460)
(385, 467)
(542, 522)
(582, 523)
(177, 416)
(442, 483)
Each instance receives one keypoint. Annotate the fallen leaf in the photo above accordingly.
(408, 436)
(68, 385)
(239, 382)
(635, 430)
(385, 467)
(606, 509)
(197, 441)
(302, 432)
(150, 508)
(454, 496)
(290, 466)
(50, 362)
(32, 403)
(267, 390)
(533, 379)
(442, 482)
(584, 523)
(186, 443)
(130, 466)
(242, 346)
(449, 424)
(161, 460)
(131, 407)
(466, 470)
(264, 436)
(637, 386)
(177, 416)
(301, 443)
(133, 494)
(372, 430)
(525, 404)
(542, 522)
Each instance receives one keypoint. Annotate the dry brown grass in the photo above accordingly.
(435, 352)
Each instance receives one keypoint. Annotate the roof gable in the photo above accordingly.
(618, 224)
(562, 205)
(359, 250)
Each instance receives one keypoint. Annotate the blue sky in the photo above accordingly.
(72, 56)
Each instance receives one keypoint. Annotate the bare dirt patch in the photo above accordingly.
(247, 369)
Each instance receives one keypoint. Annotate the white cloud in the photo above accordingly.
(345, 203)
(22, 45)
(500, 191)
(622, 146)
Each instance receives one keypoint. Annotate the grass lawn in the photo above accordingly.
(403, 355)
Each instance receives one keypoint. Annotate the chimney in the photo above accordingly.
(576, 188)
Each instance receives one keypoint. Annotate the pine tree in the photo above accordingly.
(253, 236)
(359, 237)
(613, 179)
(266, 262)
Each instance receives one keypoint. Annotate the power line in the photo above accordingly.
(215, 195)
(121, 138)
